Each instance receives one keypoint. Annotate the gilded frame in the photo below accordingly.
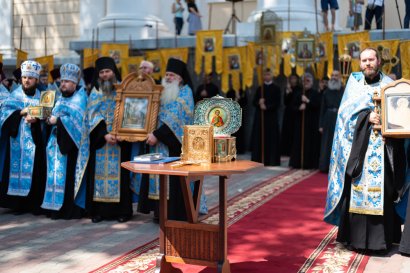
(309, 54)
(198, 144)
(395, 109)
(137, 107)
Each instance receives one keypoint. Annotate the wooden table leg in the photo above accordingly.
(223, 265)
(162, 265)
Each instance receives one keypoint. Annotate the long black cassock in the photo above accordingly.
(311, 136)
(12, 128)
(286, 140)
(374, 232)
(109, 210)
(176, 202)
(272, 95)
(328, 114)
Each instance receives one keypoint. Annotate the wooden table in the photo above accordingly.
(192, 242)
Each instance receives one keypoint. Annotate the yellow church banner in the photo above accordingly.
(22, 56)
(118, 52)
(177, 53)
(209, 44)
(353, 43)
(1, 58)
(288, 47)
(262, 57)
(234, 64)
(90, 55)
(156, 59)
(325, 54)
(405, 59)
(130, 65)
(47, 64)
(388, 52)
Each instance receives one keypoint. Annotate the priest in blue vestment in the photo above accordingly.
(109, 194)
(176, 111)
(366, 171)
(22, 184)
(67, 147)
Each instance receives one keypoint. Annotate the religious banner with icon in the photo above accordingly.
(118, 52)
(234, 60)
(47, 64)
(262, 56)
(130, 65)
(288, 52)
(387, 51)
(155, 58)
(405, 59)
(353, 43)
(90, 55)
(22, 56)
(1, 58)
(208, 45)
(177, 53)
(324, 52)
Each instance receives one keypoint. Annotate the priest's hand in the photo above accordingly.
(321, 130)
(52, 120)
(305, 99)
(204, 94)
(261, 101)
(302, 107)
(111, 139)
(262, 106)
(24, 112)
(30, 119)
(374, 118)
(151, 139)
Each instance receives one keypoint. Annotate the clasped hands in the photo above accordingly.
(262, 104)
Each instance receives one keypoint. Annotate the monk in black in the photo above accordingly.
(268, 106)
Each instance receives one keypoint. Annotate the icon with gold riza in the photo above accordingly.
(225, 117)
(43, 110)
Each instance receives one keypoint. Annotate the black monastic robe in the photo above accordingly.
(328, 114)
(33, 201)
(108, 210)
(311, 136)
(272, 95)
(373, 232)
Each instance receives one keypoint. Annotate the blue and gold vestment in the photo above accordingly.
(367, 189)
(22, 147)
(72, 113)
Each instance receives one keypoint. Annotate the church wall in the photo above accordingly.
(61, 19)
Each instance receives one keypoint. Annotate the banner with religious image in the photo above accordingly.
(90, 55)
(405, 59)
(155, 58)
(209, 44)
(388, 52)
(130, 65)
(22, 56)
(353, 43)
(118, 52)
(47, 64)
(324, 52)
(262, 57)
(234, 64)
(177, 53)
(289, 50)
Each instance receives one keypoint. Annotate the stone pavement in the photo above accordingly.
(33, 244)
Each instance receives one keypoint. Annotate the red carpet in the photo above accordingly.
(285, 234)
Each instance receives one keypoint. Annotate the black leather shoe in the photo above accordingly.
(123, 219)
(96, 219)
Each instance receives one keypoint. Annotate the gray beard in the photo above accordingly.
(170, 92)
(107, 86)
(334, 85)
